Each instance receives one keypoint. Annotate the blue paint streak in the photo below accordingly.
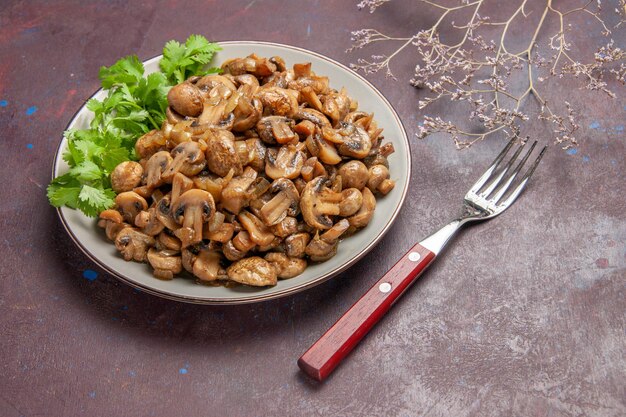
(124, 308)
(594, 125)
(132, 373)
(29, 145)
(572, 151)
(31, 110)
(90, 274)
(4, 103)
(613, 162)
(619, 128)
(92, 394)
(183, 371)
(586, 159)
(308, 30)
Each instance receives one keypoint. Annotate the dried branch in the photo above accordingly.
(479, 70)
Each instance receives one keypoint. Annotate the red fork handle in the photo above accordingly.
(324, 356)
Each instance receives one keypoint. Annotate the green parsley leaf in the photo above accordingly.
(126, 71)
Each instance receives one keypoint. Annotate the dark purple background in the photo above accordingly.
(523, 316)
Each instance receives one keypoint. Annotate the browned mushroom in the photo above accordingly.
(379, 179)
(246, 114)
(287, 162)
(276, 129)
(166, 263)
(295, 244)
(354, 174)
(192, 209)
(285, 266)
(279, 101)
(206, 265)
(314, 116)
(133, 244)
(318, 202)
(129, 203)
(112, 222)
(221, 154)
(352, 139)
(351, 201)
(253, 271)
(323, 247)
(322, 149)
(126, 176)
(286, 227)
(164, 213)
(365, 213)
(285, 202)
(155, 168)
(252, 64)
(336, 106)
(149, 222)
(185, 99)
(188, 160)
(259, 233)
(236, 195)
(166, 241)
(180, 185)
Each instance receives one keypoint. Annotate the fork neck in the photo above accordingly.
(438, 240)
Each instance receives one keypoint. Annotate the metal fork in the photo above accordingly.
(488, 197)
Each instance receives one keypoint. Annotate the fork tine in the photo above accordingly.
(501, 175)
(497, 196)
(483, 178)
(525, 179)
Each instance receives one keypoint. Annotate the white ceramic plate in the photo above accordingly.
(91, 240)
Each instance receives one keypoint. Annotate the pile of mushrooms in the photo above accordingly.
(254, 174)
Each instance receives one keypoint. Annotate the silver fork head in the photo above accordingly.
(485, 199)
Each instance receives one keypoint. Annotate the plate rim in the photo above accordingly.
(260, 297)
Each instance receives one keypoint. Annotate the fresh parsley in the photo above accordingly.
(134, 105)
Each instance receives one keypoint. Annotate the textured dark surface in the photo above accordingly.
(530, 324)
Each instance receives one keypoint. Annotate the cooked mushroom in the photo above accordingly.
(279, 101)
(112, 222)
(286, 163)
(352, 139)
(246, 114)
(221, 154)
(318, 202)
(188, 160)
(313, 116)
(148, 222)
(252, 64)
(351, 201)
(365, 213)
(276, 129)
(235, 195)
(295, 245)
(354, 174)
(129, 203)
(323, 247)
(166, 263)
(133, 244)
(285, 202)
(312, 168)
(286, 227)
(166, 241)
(164, 213)
(185, 99)
(259, 233)
(253, 271)
(192, 209)
(322, 149)
(155, 167)
(180, 185)
(126, 176)
(206, 265)
(336, 106)
(285, 266)
(379, 179)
